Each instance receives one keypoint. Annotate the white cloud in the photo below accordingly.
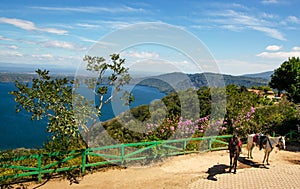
(164, 66)
(270, 32)
(296, 48)
(239, 67)
(159, 66)
(232, 27)
(273, 48)
(267, 15)
(269, 1)
(5, 38)
(43, 56)
(87, 39)
(62, 44)
(30, 26)
(293, 19)
(89, 9)
(238, 21)
(88, 26)
(135, 54)
(279, 55)
(11, 54)
(13, 47)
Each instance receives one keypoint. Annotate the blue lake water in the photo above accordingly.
(17, 130)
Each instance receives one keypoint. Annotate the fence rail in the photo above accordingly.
(293, 136)
(121, 154)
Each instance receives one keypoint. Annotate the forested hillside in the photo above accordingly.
(246, 112)
(178, 81)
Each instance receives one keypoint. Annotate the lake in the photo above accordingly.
(17, 130)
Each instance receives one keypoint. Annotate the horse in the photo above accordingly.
(255, 140)
(268, 144)
(234, 147)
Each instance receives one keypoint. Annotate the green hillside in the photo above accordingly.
(178, 81)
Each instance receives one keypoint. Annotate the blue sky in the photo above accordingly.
(242, 36)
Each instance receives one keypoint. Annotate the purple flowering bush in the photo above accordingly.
(179, 128)
(243, 123)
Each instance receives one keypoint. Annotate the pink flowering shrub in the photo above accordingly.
(179, 128)
(243, 124)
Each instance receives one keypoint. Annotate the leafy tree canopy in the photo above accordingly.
(287, 78)
(54, 99)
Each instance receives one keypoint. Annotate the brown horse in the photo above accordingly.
(234, 148)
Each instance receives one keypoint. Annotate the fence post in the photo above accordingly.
(39, 161)
(83, 161)
(209, 143)
(273, 134)
(122, 153)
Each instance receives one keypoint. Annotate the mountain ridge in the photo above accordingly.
(170, 82)
(265, 75)
(175, 81)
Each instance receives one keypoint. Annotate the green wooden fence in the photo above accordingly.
(120, 154)
(293, 136)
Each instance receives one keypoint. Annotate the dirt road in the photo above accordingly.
(201, 170)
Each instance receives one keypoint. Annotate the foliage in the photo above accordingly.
(287, 78)
(28, 158)
(54, 99)
(262, 88)
(239, 103)
(47, 98)
(243, 124)
(279, 118)
(118, 76)
(246, 112)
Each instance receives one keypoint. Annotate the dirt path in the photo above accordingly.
(202, 170)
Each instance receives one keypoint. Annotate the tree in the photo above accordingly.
(54, 99)
(287, 78)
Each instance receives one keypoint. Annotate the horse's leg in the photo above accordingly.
(248, 148)
(251, 148)
(235, 163)
(268, 154)
(231, 163)
(265, 157)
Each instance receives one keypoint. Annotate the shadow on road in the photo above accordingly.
(249, 163)
(215, 170)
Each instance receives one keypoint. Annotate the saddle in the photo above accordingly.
(260, 139)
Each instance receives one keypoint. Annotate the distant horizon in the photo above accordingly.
(30, 69)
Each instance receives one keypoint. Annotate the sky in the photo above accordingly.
(234, 37)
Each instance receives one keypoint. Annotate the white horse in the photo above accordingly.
(269, 144)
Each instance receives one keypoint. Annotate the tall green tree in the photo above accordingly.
(54, 99)
(287, 78)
